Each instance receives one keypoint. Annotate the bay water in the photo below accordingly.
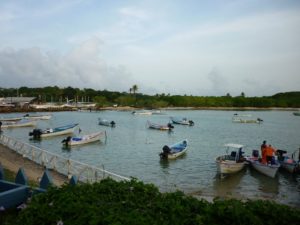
(132, 150)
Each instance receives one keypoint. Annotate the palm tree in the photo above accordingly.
(130, 90)
(134, 88)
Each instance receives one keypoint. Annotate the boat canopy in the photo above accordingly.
(234, 145)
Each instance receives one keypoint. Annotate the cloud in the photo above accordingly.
(134, 12)
(81, 67)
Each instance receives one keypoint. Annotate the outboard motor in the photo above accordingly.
(36, 133)
(280, 153)
(112, 123)
(191, 122)
(259, 120)
(170, 126)
(66, 140)
(166, 151)
(255, 153)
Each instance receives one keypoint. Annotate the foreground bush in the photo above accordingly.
(111, 202)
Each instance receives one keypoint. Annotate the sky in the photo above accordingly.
(192, 47)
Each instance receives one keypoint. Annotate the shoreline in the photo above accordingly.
(12, 161)
(130, 108)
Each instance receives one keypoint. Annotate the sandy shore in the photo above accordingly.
(13, 161)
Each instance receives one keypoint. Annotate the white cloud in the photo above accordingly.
(134, 12)
(81, 67)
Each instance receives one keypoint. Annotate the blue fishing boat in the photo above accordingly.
(174, 151)
(49, 132)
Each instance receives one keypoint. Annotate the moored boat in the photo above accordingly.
(231, 162)
(182, 121)
(144, 112)
(269, 169)
(105, 122)
(157, 112)
(85, 139)
(155, 126)
(245, 119)
(175, 150)
(37, 117)
(21, 123)
(67, 129)
(289, 163)
(10, 119)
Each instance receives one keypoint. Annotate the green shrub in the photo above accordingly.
(133, 202)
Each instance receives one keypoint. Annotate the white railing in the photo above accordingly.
(65, 166)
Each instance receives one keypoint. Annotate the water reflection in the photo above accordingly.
(225, 186)
(266, 184)
(164, 164)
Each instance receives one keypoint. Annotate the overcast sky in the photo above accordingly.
(188, 47)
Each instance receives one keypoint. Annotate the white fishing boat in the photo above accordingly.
(182, 121)
(233, 161)
(245, 118)
(157, 112)
(49, 132)
(105, 122)
(269, 170)
(145, 113)
(21, 123)
(175, 150)
(85, 139)
(38, 117)
(10, 119)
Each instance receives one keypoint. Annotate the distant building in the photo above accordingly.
(22, 102)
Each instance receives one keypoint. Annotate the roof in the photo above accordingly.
(18, 99)
(233, 145)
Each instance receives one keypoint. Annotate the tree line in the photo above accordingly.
(133, 98)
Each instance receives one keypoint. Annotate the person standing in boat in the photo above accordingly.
(270, 152)
(263, 149)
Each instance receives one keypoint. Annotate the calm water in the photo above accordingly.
(132, 150)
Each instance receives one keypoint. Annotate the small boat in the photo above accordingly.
(159, 126)
(21, 123)
(182, 121)
(157, 112)
(37, 117)
(10, 119)
(146, 113)
(286, 162)
(242, 119)
(174, 151)
(38, 133)
(107, 123)
(85, 139)
(268, 169)
(296, 113)
(231, 162)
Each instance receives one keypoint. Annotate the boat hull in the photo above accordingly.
(266, 169)
(41, 117)
(87, 139)
(176, 150)
(290, 167)
(229, 166)
(67, 131)
(19, 124)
